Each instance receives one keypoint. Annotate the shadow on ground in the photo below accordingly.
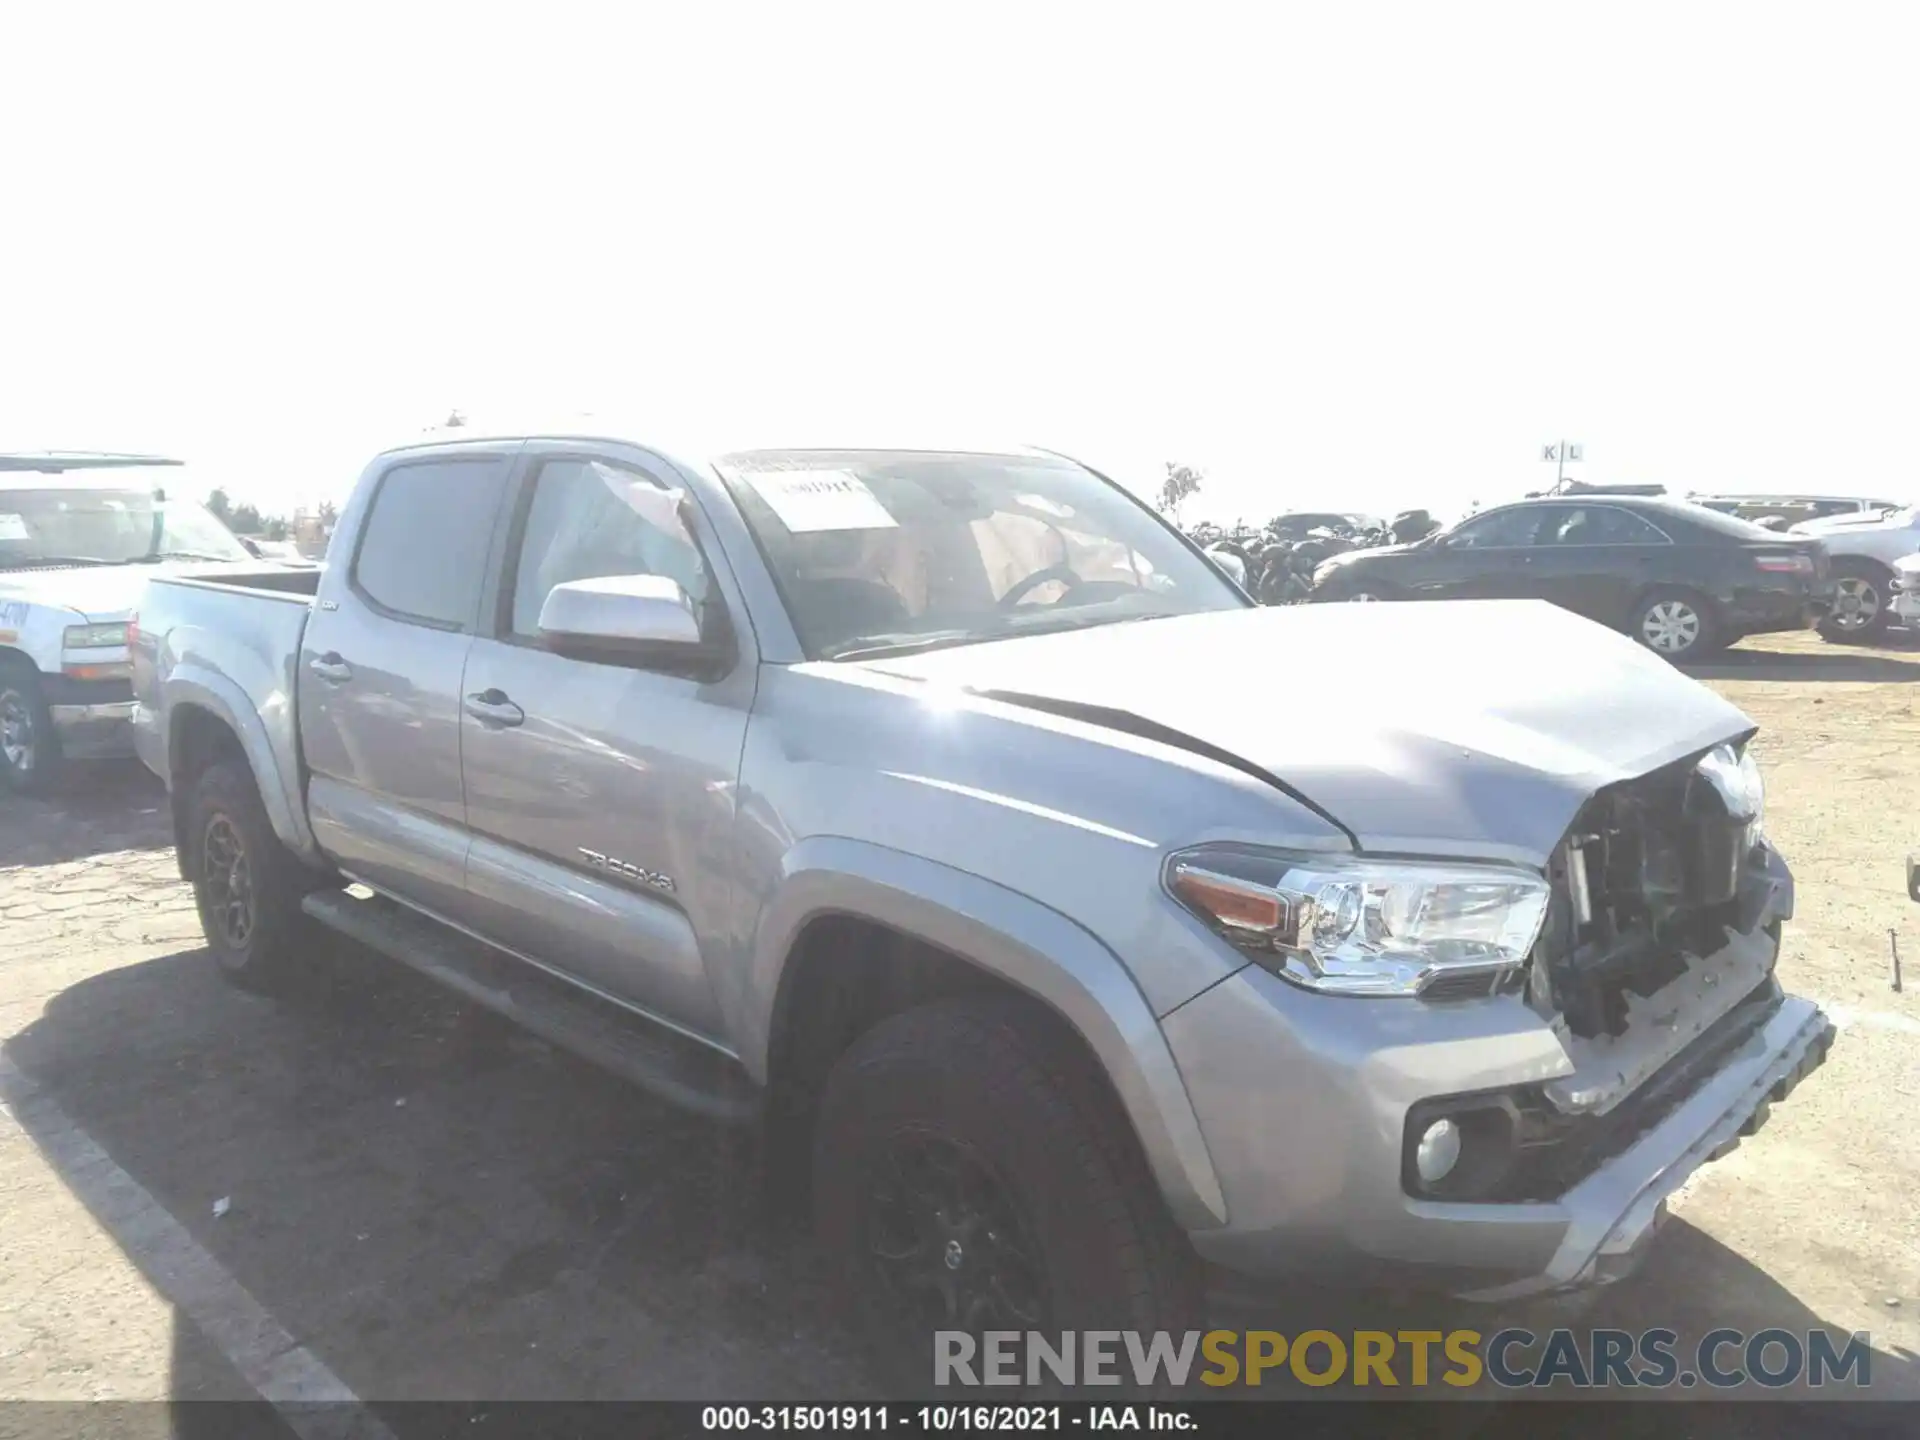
(435, 1204)
(97, 809)
(440, 1207)
(1882, 663)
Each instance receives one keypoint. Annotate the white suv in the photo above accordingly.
(1863, 550)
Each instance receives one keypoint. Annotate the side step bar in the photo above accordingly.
(678, 1070)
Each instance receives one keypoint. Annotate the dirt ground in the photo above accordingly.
(415, 1205)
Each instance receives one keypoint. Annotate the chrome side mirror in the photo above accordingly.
(636, 618)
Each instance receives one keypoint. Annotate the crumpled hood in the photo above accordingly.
(104, 593)
(1470, 728)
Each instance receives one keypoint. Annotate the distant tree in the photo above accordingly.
(1181, 485)
(221, 507)
(329, 514)
(245, 520)
(276, 528)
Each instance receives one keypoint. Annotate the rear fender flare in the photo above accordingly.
(1034, 948)
(194, 685)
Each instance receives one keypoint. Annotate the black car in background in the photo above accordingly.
(1681, 579)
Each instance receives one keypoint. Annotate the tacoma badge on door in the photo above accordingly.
(651, 878)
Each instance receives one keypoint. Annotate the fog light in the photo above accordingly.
(1438, 1151)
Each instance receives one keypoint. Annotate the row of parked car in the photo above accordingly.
(80, 533)
(1685, 577)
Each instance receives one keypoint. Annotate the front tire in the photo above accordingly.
(247, 885)
(1676, 625)
(971, 1173)
(30, 758)
(1859, 613)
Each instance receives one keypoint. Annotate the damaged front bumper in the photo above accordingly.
(1311, 1107)
(1612, 1214)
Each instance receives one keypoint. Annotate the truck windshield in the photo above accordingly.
(91, 525)
(880, 552)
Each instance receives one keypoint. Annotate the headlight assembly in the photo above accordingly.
(1347, 926)
(1736, 776)
(93, 637)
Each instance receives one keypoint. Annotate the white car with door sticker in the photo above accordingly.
(79, 536)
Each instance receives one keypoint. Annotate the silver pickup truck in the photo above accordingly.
(946, 813)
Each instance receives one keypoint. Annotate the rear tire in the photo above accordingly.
(30, 758)
(1866, 590)
(972, 1173)
(247, 885)
(1676, 625)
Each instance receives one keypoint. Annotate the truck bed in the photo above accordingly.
(276, 581)
(228, 642)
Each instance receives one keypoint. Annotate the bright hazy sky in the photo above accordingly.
(1356, 256)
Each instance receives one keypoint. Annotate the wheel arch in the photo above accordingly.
(930, 919)
(1881, 569)
(15, 661)
(1858, 566)
(206, 711)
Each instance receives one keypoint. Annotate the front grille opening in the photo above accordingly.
(1648, 876)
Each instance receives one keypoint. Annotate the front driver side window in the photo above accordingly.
(590, 519)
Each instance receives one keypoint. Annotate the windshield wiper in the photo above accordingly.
(51, 562)
(159, 555)
(1082, 621)
(872, 647)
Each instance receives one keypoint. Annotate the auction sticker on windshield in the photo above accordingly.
(810, 500)
(13, 527)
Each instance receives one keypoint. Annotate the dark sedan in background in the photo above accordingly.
(1679, 578)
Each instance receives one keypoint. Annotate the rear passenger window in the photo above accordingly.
(423, 550)
(1601, 525)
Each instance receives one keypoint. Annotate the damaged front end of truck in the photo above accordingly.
(1655, 969)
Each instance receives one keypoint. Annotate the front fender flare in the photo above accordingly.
(278, 783)
(1022, 942)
